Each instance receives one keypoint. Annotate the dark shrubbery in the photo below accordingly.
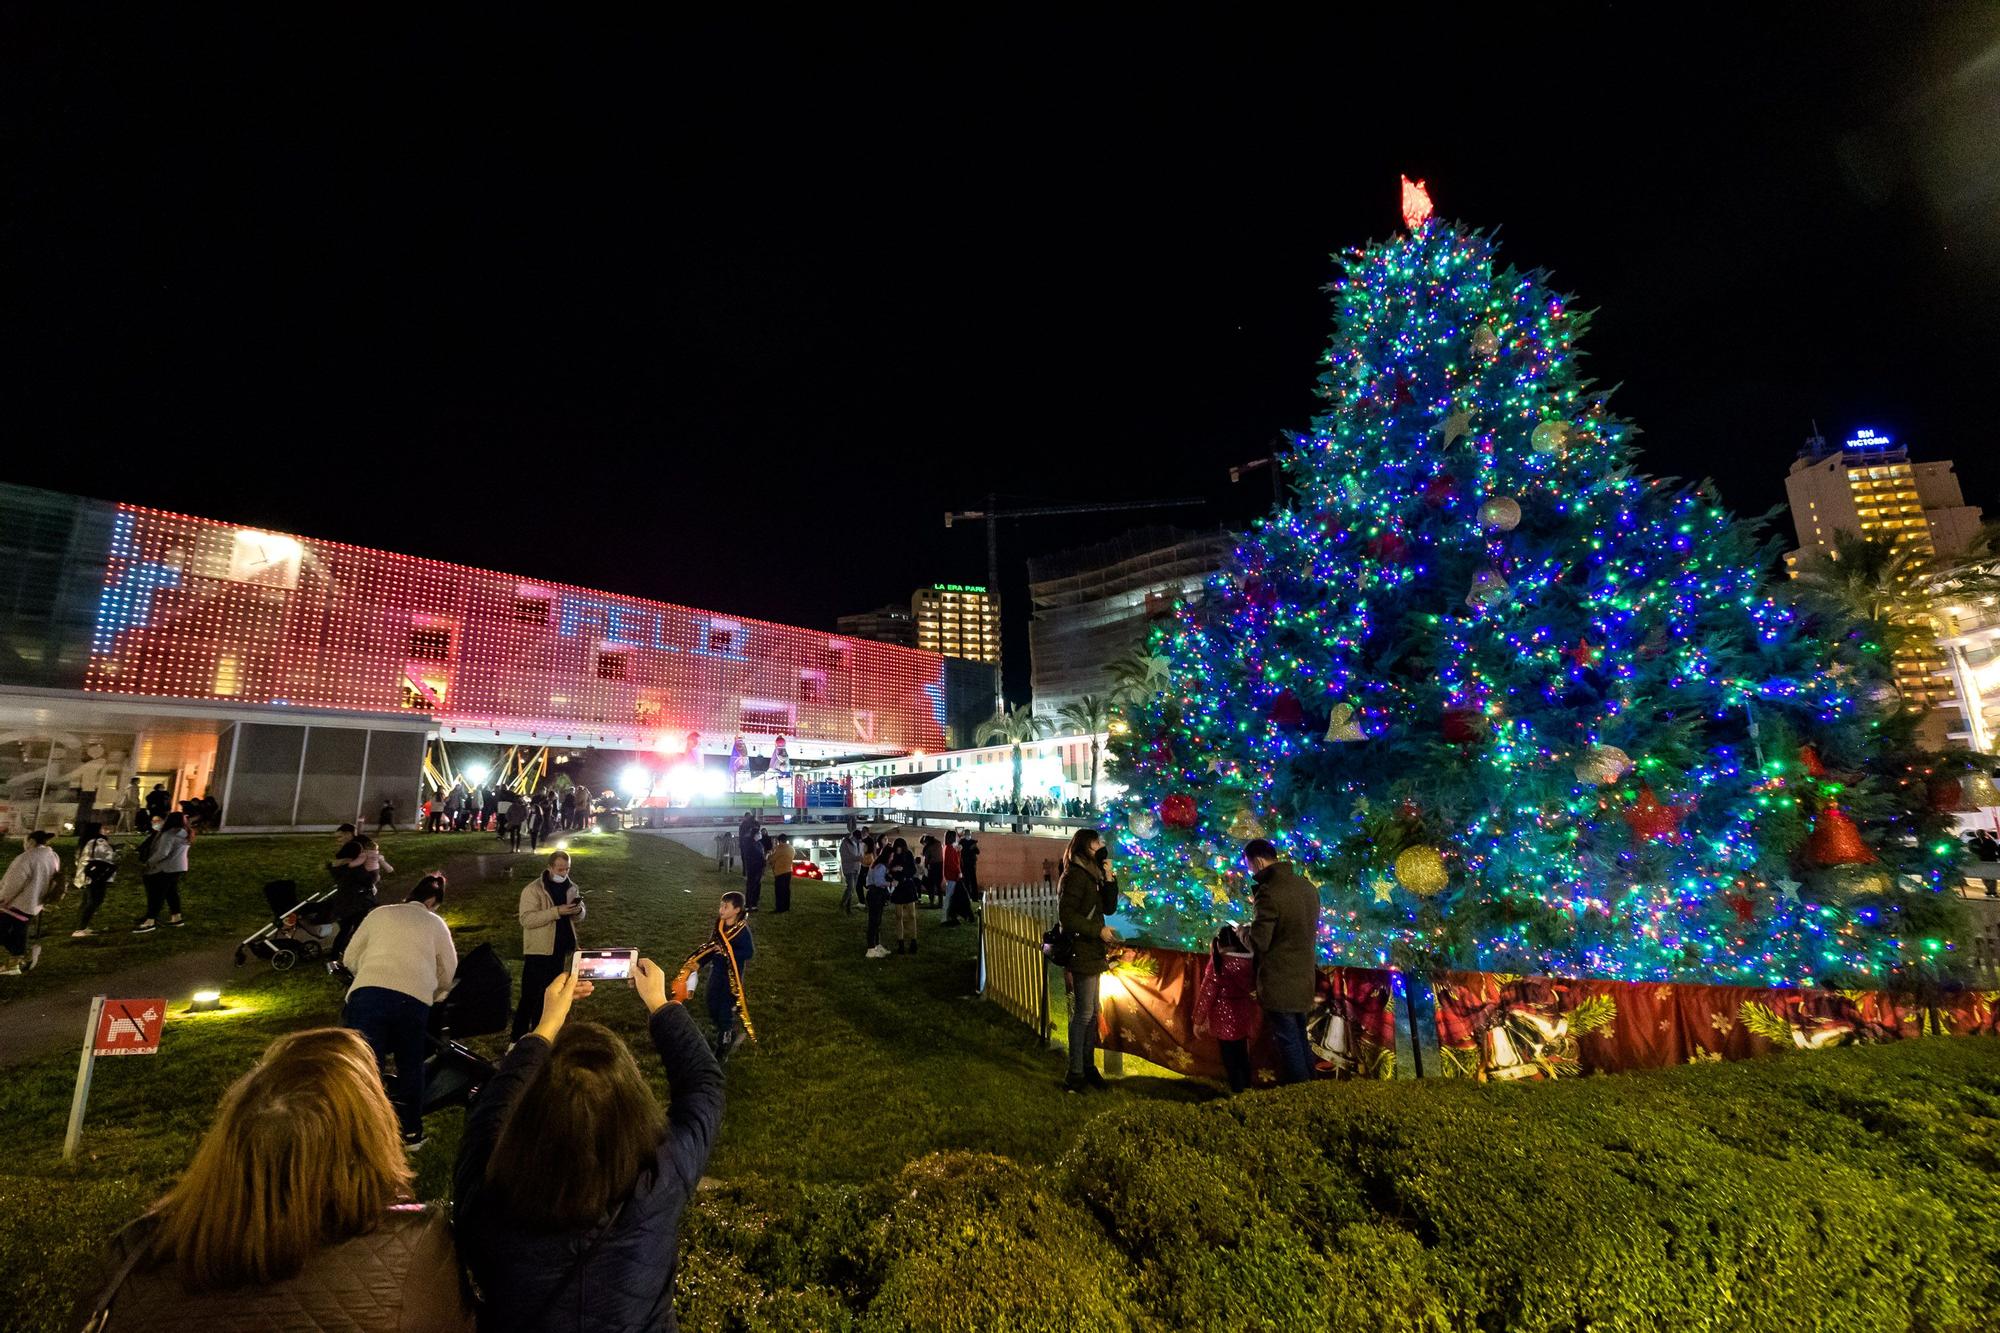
(1840, 1190)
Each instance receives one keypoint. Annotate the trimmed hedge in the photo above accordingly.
(1855, 1189)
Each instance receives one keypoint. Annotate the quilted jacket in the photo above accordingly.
(617, 1276)
(399, 1278)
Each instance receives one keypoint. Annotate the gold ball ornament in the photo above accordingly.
(1502, 512)
(1485, 342)
(1603, 764)
(1421, 870)
(1551, 437)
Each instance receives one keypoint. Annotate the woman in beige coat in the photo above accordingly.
(550, 908)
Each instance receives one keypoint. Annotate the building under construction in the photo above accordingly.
(1094, 604)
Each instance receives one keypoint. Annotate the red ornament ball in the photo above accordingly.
(1439, 492)
(1178, 811)
(1389, 548)
(1464, 726)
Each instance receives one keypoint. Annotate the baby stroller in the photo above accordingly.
(297, 928)
(480, 1003)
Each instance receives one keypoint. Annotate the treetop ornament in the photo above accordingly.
(1616, 617)
(1416, 204)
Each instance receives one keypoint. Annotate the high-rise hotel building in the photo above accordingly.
(1867, 486)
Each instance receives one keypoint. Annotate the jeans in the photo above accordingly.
(781, 892)
(394, 1025)
(1236, 1063)
(1288, 1031)
(851, 882)
(753, 883)
(1082, 1021)
(537, 971)
(163, 888)
(877, 900)
(906, 922)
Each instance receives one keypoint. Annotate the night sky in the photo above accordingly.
(730, 315)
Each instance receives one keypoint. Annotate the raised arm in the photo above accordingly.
(694, 1079)
(489, 1113)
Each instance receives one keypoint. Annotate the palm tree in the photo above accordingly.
(1883, 585)
(1016, 727)
(1137, 675)
(1089, 716)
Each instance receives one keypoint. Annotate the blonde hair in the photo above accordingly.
(304, 1153)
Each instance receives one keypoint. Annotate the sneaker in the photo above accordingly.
(146, 927)
(1074, 1083)
(1096, 1081)
(175, 920)
(413, 1142)
(877, 952)
(13, 971)
(83, 934)
(34, 956)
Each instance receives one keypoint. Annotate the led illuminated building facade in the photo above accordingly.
(298, 679)
(1868, 487)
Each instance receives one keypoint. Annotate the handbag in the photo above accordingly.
(1059, 945)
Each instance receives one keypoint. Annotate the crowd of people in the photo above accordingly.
(570, 1176)
(502, 811)
(34, 881)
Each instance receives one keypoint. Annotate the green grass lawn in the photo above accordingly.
(222, 898)
(859, 1066)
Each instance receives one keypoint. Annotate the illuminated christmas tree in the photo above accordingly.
(1513, 704)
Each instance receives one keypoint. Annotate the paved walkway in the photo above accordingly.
(54, 1019)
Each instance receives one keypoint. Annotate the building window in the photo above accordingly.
(611, 666)
(530, 611)
(430, 643)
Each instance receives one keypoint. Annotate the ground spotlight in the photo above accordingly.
(206, 1002)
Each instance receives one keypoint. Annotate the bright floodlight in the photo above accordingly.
(206, 1001)
(636, 781)
(714, 782)
(683, 781)
(477, 773)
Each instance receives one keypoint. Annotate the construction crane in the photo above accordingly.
(991, 517)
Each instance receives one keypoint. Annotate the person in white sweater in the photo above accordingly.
(22, 889)
(403, 961)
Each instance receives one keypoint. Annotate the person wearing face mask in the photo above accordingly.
(550, 908)
(1089, 894)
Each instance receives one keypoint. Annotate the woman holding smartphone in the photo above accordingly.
(550, 908)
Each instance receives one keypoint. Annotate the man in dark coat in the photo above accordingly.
(1284, 935)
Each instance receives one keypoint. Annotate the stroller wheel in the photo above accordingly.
(282, 960)
(309, 949)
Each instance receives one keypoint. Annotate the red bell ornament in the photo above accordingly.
(1286, 710)
(1835, 841)
(1947, 795)
(1178, 811)
(1653, 819)
(1810, 761)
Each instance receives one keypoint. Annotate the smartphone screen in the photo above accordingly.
(605, 964)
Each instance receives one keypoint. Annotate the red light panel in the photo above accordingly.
(196, 609)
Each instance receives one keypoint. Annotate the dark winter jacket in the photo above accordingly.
(1285, 935)
(398, 1278)
(619, 1275)
(1087, 898)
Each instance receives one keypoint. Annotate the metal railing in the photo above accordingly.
(1013, 970)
